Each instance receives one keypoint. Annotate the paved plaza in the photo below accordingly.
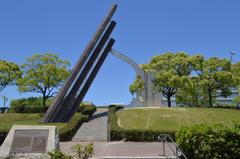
(124, 149)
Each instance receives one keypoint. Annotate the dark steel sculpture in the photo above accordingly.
(83, 73)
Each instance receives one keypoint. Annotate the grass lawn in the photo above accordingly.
(171, 119)
(9, 119)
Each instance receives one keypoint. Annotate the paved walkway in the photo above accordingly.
(94, 130)
(124, 149)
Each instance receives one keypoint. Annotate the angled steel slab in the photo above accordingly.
(55, 108)
(89, 80)
(70, 99)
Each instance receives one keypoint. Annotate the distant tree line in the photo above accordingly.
(193, 80)
(41, 73)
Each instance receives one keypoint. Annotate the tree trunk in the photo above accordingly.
(210, 98)
(44, 100)
(169, 101)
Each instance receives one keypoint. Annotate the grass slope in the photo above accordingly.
(171, 119)
(9, 119)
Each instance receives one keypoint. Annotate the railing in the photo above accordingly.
(108, 126)
(165, 138)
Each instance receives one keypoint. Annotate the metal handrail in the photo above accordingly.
(108, 126)
(177, 151)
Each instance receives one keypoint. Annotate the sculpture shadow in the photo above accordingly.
(99, 115)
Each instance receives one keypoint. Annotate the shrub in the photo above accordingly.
(226, 106)
(118, 133)
(69, 130)
(29, 105)
(83, 152)
(30, 101)
(3, 135)
(207, 142)
(28, 109)
(116, 107)
(56, 154)
(87, 108)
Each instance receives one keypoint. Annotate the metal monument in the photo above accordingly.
(85, 70)
(146, 97)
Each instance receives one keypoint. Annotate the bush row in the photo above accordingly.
(207, 142)
(68, 131)
(118, 133)
(34, 105)
(87, 108)
(30, 101)
(29, 105)
(227, 106)
(28, 109)
(65, 133)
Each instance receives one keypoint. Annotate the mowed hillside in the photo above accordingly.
(171, 119)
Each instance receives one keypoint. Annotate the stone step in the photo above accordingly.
(129, 157)
(95, 129)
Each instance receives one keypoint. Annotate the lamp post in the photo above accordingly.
(232, 53)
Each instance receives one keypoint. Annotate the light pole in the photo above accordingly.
(232, 53)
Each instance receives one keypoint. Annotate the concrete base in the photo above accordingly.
(52, 142)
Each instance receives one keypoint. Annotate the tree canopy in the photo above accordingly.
(215, 76)
(171, 71)
(44, 74)
(9, 73)
(193, 80)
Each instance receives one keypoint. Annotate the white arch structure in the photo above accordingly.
(146, 98)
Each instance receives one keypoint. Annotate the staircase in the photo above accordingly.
(95, 129)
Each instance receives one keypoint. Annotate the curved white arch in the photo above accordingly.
(126, 59)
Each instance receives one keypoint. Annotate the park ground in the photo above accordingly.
(162, 119)
(159, 119)
(9, 119)
(172, 119)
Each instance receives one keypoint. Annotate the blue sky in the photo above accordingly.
(144, 29)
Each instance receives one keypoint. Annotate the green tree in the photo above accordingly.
(137, 86)
(9, 73)
(43, 73)
(235, 69)
(215, 75)
(5, 100)
(191, 93)
(171, 71)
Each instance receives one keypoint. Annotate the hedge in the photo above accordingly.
(226, 107)
(30, 101)
(68, 131)
(3, 135)
(87, 108)
(118, 133)
(65, 133)
(28, 109)
(29, 105)
(207, 142)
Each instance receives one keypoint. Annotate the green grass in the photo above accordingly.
(9, 119)
(171, 119)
